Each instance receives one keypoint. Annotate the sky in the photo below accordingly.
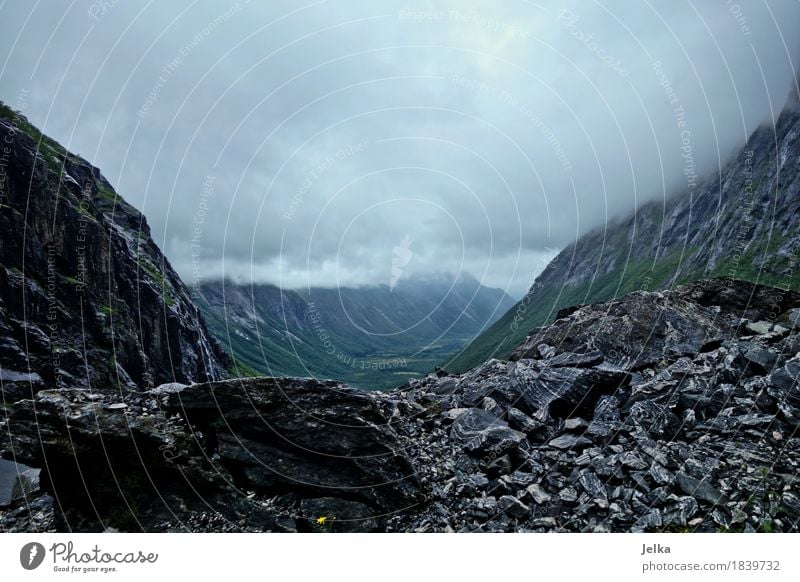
(347, 143)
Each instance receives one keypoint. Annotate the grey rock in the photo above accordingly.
(660, 474)
(572, 360)
(759, 327)
(679, 511)
(545, 351)
(538, 494)
(482, 433)
(699, 489)
(576, 424)
(651, 520)
(25, 484)
(569, 441)
(568, 494)
(656, 420)
(513, 506)
(763, 359)
(592, 485)
(520, 421)
(783, 383)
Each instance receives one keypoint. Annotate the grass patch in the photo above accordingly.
(155, 275)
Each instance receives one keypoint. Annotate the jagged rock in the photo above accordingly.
(576, 424)
(520, 421)
(26, 484)
(592, 485)
(788, 348)
(542, 391)
(186, 450)
(572, 360)
(545, 351)
(783, 383)
(513, 507)
(759, 327)
(569, 441)
(86, 259)
(539, 495)
(699, 489)
(660, 474)
(484, 434)
(679, 511)
(763, 358)
(656, 420)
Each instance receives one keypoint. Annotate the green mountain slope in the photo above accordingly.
(743, 222)
(372, 338)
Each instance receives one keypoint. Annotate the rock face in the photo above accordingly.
(693, 428)
(86, 297)
(250, 455)
(741, 222)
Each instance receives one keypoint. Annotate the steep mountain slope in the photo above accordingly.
(372, 337)
(741, 223)
(86, 297)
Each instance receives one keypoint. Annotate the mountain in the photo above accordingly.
(672, 410)
(86, 297)
(665, 411)
(742, 222)
(371, 337)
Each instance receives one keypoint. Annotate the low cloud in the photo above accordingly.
(489, 135)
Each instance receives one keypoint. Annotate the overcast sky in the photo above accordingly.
(344, 142)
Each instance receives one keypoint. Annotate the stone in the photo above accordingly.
(660, 474)
(699, 489)
(545, 351)
(454, 413)
(548, 523)
(761, 358)
(513, 506)
(569, 441)
(573, 360)
(25, 484)
(575, 424)
(655, 419)
(592, 485)
(679, 511)
(520, 421)
(444, 386)
(568, 494)
(759, 327)
(651, 520)
(481, 433)
(539, 495)
(783, 382)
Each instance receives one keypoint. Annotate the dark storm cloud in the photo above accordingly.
(302, 144)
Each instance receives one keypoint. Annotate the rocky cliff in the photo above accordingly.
(87, 300)
(741, 222)
(660, 411)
